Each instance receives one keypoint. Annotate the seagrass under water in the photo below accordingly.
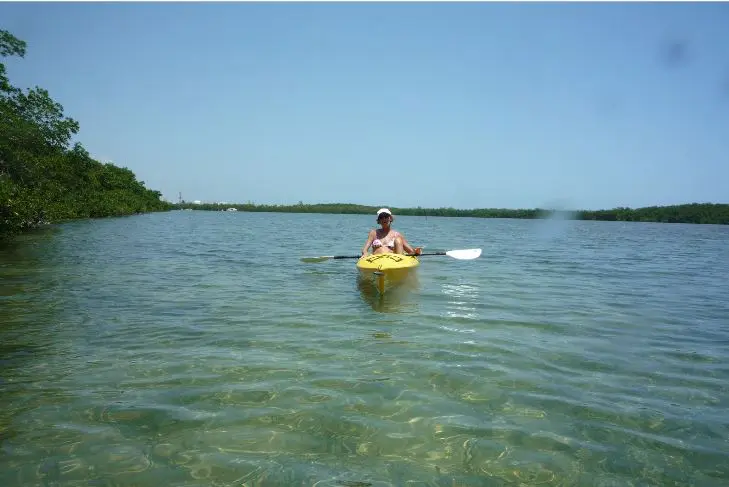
(194, 348)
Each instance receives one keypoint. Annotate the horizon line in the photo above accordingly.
(367, 206)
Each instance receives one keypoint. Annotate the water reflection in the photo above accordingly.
(399, 296)
(462, 299)
(27, 282)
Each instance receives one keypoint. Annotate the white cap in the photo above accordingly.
(384, 210)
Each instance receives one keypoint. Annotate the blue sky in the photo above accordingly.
(464, 105)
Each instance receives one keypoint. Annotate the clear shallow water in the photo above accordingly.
(194, 348)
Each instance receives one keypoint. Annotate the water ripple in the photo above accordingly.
(192, 348)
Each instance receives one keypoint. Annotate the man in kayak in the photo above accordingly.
(386, 240)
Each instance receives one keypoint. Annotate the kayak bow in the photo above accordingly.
(387, 269)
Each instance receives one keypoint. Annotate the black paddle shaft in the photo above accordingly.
(409, 255)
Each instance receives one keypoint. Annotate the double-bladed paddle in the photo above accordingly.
(462, 254)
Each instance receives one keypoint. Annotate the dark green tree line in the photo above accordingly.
(688, 213)
(43, 178)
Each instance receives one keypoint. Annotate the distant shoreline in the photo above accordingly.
(699, 213)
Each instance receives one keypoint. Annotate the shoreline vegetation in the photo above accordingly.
(699, 213)
(45, 179)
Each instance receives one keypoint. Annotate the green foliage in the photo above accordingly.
(690, 213)
(44, 180)
(11, 45)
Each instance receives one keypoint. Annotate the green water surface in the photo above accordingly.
(195, 349)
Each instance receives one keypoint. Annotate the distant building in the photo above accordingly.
(196, 202)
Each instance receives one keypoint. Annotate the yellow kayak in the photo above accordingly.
(387, 269)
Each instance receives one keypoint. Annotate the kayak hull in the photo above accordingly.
(387, 270)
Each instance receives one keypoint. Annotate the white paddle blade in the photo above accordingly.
(316, 259)
(465, 254)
